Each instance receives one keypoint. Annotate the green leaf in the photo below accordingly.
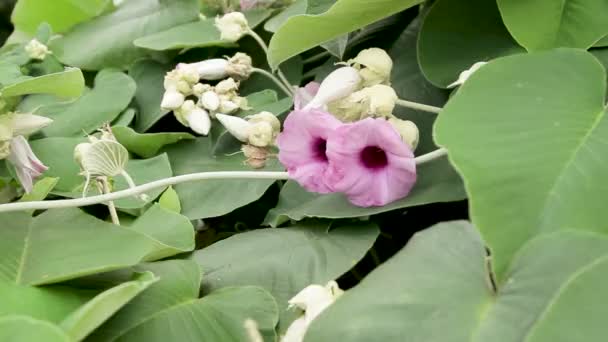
(68, 83)
(217, 197)
(198, 34)
(437, 182)
(107, 41)
(59, 244)
(146, 145)
(169, 200)
(297, 8)
(179, 282)
(440, 279)
(88, 317)
(125, 118)
(444, 52)
(547, 24)
(10, 73)
(149, 76)
(302, 32)
(285, 260)
(110, 95)
(60, 14)
(536, 121)
(26, 329)
(41, 189)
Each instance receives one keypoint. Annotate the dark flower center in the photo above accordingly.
(373, 157)
(319, 148)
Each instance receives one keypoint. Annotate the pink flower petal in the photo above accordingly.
(248, 4)
(305, 94)
(375, 182)
(302, 147)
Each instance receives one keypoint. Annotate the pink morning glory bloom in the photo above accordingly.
(27, 166)
(305, 94)
(248, 4)
(302, 147)
(370, 163)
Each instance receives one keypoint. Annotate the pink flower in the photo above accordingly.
(248, 4)
(370, 163)
(302, 147)
(27, 166)
(305, 94)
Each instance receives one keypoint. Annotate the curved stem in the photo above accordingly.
(274, 79)
(104, 186)
(161, 183)
(425, 158)
(418, 106)
(264, 47)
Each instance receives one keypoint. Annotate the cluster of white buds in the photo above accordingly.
(361, 90)
(36, 50)
(232, 26)
(206, 100)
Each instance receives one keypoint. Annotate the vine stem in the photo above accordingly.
(105, 189)
(274, 79)
(418, 106)
(161, 183)
(264, 47)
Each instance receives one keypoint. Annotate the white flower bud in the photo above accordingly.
(27, 124)
(466, 74)
(232, 26)
(261, 134)
(266, 117)
(238, 127)
(36, 50)
(228, 107)
(378, 100)
(199, 88)
(375, 66)
(240, 66)
(188, 73)
(407, 130)
(198, 120)
(172, 99)
(210, 101)
(5, 148)
(339, 84)
(212, 69)
(226, 86)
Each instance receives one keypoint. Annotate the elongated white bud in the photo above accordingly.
(340, 83)
(212, 69)
(238, 127)
(198, 120)
(210, 101)
(172, 99)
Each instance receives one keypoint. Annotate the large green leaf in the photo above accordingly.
(107, 41)
(285, 260)
(147, 145)
(87, 318)
(302, 32)
(455, 34)
(215, 197)
(110, 95)
(437, 182)
(60, 14)
(440, 279)
(57, 245)
(526, 132)
(148, 76)
(26, 329)
(68, 83)
(547, 24)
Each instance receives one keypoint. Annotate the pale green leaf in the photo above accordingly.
(68, 83)
(147, 145)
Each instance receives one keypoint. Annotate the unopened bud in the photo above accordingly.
(378, 100)
(466, 74)
(228, 107)
(172, 99)
(375, 66)
(239, 66)
(238, 127)
(407, 130)
(338, 84)
(261, 134)
(227, 86)
(36, 50)
(188, 73)
(268, 118)
(198, 120)
(210, 101)
(232, 26)
(199, 88)
(212, 69)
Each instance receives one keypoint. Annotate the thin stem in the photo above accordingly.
(140, 189)
(425, 158)
(418, 106)
(264, 47)
(274, 79)
(105, 189)
(131, 184)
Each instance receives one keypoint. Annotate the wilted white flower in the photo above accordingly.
(232, 26)
(227, 86)
(338, 84)
(266, 117)
(374, 65)
(466, 74)
(27, 166)
(36, 50)
(261, 134)
(407, 130)
(376, 101)
(239, 66)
